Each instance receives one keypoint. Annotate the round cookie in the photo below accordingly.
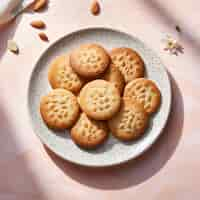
(113, 75)
(89, 133)
(100, 99)
(61, 75)
(59, 109)
(89, 60)
(128, 62)
(130, 122)
(144, 91)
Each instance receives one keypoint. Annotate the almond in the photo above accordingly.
(43, 36)
(39, 4)
(95, 8)
(12, 46)
(38, 24)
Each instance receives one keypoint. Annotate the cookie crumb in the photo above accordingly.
(178, 29)
(12, 46)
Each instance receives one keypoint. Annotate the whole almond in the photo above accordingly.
(39, 4)
(43, 36)
(95, 8)
(38, 24)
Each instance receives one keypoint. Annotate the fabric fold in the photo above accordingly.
(11, 8)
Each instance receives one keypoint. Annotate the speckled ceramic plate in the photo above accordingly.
(113, 152)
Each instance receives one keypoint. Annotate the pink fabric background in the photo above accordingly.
(169, 170)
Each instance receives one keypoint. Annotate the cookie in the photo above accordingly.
(78, 98)
(59, 109)
(130, 122)
(100, 99)
(144, 91)
(61, 75)
(113, 75)
(89, 133)
(89, 60)
(128, 62)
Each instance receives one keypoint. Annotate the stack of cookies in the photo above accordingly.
(96, 92)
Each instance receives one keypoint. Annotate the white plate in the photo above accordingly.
(113, 152)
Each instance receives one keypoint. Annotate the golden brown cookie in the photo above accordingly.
(130, 122)
(89, 60)
(113, 75)
(61, 75)
(59, 109)
(144, 91)
(100, 99)
(89, 133)
(128, 62)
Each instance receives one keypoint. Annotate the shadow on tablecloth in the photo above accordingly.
(7, 32)
(17, 180)
(171, 19)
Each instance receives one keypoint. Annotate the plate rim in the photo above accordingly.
(147, 147)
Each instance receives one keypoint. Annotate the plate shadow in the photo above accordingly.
(142, 168)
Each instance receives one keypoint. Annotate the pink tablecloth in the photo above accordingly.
(169, 170)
